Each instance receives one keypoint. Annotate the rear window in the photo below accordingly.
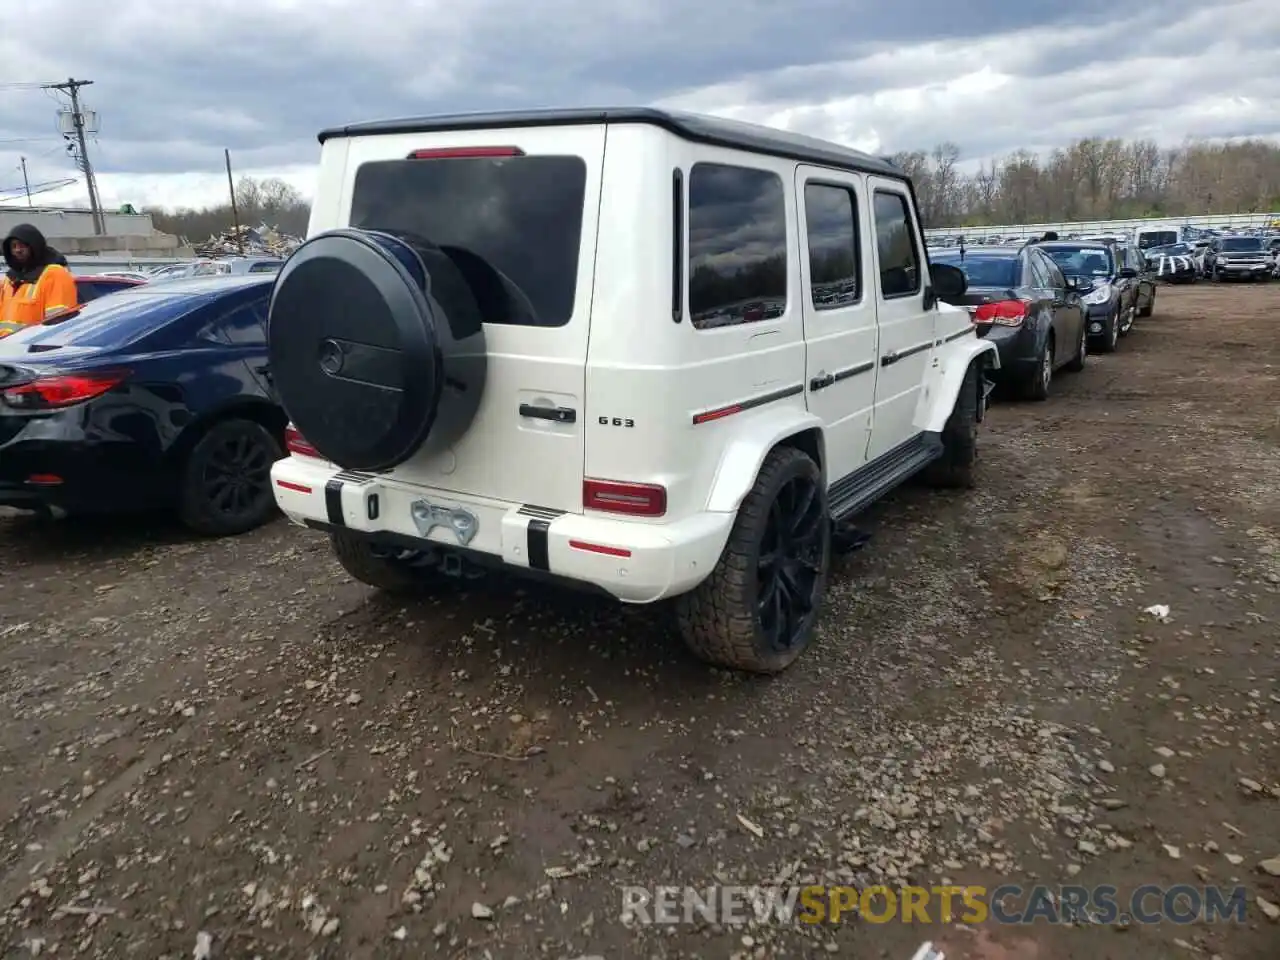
(1156, 238)
(106, 323)
(1082, 261)
(512, 224)
(984, 271)
(267, 266)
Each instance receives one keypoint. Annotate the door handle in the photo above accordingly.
(554, 414)
(821, 383)
(263, 371)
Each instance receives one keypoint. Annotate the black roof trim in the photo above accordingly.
(713, 131)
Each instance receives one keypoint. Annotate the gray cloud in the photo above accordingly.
(262, 78)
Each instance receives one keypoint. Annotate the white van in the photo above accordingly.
(654, 354)
(1160, 235)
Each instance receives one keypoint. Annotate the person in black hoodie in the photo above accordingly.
(38, 283)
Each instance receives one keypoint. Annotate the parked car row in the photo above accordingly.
(1047, 303)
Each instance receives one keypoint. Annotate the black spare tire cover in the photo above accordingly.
(376, 347)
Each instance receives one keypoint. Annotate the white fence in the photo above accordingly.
(1234, 221)
(88, 266)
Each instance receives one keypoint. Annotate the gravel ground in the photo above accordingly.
(230, 749)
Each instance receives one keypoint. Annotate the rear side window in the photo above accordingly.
(245, 326)
(513, 225)
(896, 245)
(737, 245)
(830, 215)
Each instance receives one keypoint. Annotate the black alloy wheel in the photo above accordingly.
(789, 569)
(237, 476)
(227, 488)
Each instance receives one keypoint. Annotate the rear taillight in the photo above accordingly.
(635, 499)
(297, 444)
(54, 393)
(465, 153)
(1005, 313)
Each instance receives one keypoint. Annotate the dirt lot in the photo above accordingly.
(231, 748)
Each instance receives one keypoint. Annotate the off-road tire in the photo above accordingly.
(194, 509)
(387, 574)
(717, 619)
(1034, 386)
(954, 470)
(1077, 363)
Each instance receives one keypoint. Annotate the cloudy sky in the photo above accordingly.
(176, 83)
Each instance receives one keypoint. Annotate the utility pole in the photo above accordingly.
(235, 214)
(72, 89)
(26, 184)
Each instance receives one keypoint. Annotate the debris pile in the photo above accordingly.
(261, 240)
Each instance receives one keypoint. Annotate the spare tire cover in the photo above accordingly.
(363, 356)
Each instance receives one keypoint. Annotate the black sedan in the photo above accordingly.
(155, 396)
(1111, 288)
(1019, 299)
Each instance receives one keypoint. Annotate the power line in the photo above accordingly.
(72, 88)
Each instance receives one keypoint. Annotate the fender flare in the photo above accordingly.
(956, 360)
(745, 450)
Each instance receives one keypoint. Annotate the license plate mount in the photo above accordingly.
(427, 516)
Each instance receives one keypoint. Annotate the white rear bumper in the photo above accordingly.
(636, 562)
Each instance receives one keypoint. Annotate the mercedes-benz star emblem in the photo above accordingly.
(331, 357)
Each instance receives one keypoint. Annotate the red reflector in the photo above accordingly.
(49, 393)
(289, 485)
(716, 414)
(599, 548)
(465, 153)
(297, 444)
(1007, 313)
(636, 499)
(44, 479)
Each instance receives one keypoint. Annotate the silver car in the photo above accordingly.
(235, 266)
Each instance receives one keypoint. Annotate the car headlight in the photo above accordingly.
(1099, 294)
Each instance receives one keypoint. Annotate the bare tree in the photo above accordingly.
(1091, 179)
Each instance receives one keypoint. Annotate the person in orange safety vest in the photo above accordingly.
(38, 284)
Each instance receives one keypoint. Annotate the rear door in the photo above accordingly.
(839, 313)
(525, 201)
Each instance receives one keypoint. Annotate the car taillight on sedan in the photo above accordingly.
(297, 444)
(1004, 313)
(64, 390)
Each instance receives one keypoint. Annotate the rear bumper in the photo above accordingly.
(1019, 350)
(635, 562)
(49, 463)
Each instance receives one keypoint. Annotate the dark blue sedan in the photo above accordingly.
(156, 396)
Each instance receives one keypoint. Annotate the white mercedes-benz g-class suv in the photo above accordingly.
(654, 353)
